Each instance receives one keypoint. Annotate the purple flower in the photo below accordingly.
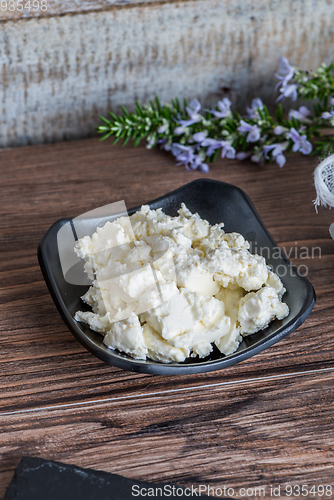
(200, 136)
(213, 144)
(227, 150)
(300, 142)
(224, 108)
(185, 155)
(164, 144)
(253, 110)
(204, 168)
(277, 152)
(328, 115)
(242, 155)
(162, 129)
(288, 91)
(254, 133)
(301, 114)
(279, 130)
(198, 163)
(193, 108)
(151, 140)
(182, 153)
(287, 71)
(256, 158)
(179, 130)
(193, 113)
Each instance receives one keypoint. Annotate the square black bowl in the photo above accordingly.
(216, 202)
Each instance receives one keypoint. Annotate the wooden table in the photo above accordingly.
(266, 422)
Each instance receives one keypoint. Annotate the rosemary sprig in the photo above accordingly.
(195, 138)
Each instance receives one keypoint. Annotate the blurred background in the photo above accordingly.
(68, 61)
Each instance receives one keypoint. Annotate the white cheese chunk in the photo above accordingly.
(166, 288)
(197, 280)
(159, 349)
(258, 309)
(275, 282)
(112, 234)
(230, 342)
(127, 336)
(98, 323)
(254, 273)
(172, 318)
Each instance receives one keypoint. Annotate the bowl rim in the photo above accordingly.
(154, 367)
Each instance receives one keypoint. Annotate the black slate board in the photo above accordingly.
(40, 479)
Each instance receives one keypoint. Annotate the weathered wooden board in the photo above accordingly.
(259, 434)
(61, 69)
(266, 421)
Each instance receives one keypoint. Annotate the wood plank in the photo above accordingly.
(270, 432)
(41, 364)
(62, 68)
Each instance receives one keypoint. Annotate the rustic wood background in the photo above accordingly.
(62, 68)
(266, 421)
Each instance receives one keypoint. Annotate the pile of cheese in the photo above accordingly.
(166, 288)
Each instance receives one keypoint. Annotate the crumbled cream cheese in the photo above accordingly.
(166, 288)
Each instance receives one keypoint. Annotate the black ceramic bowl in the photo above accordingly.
(216, 202)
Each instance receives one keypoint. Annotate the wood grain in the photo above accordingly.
(256, 434)
(269, 417)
